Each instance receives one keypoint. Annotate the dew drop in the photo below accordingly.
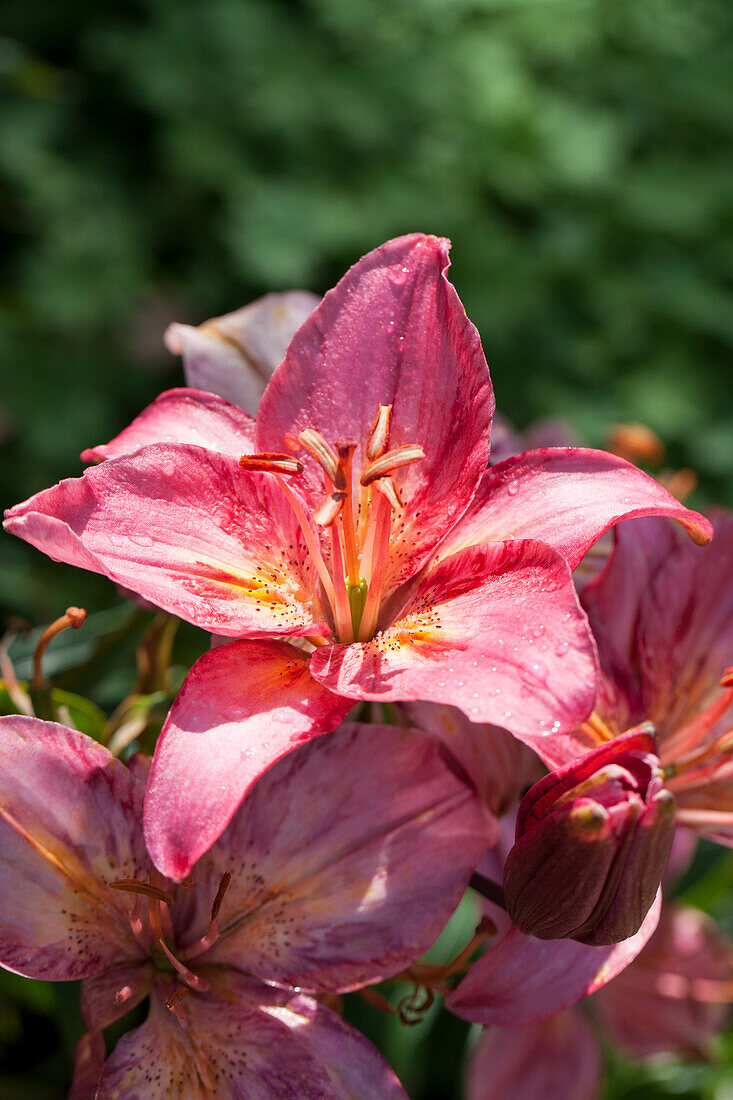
(513, 488)
(538, 631)
(562, 649)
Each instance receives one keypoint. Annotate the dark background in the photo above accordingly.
(172, 159)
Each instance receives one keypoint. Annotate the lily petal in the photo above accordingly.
(227, 1050)
(69, 824)
(186, 529)
(557, 1057)
(356, 1069)
(495, 630)
(524, 980)
(338, 883)
(183, 416)
(392, 332)
(500, 766)
(235, 355)
(567, 497)
(241, 707)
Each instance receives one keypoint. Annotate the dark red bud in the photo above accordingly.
(591, 845)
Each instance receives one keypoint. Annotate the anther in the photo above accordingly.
(174, 998)
(328, 509)
(379, 435)
(271, 462)
(636, 442)
(224, 881)
(387, 487)
(391, 461)
(324, 455)
(173, 1004)
(130, 886)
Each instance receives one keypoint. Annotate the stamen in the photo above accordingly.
(342, 611)
(391, 461)
(174, 998)
(212, 935)
(74, 618)
(329, 509)
(324, 455)
(174, 1004)
(311, 542)
(271, 462)
(598, 729)
(224, 881)
(129, 885)
(188, 975)
(377, 567)
(346, 456)
(379, 435)
(690, 737)
(387, 486)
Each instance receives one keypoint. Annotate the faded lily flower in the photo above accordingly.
(592, 843)
(310, 890)
(358, 513)
(235, 355)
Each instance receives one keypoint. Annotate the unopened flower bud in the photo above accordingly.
(591, 845)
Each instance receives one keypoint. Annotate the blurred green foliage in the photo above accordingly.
(171, 159)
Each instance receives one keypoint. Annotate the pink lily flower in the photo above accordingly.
(675, 997)
(672, 999)
(235, 355)
(312, 889)
(662, 615)
(358, 513)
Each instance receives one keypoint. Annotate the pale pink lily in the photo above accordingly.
(662, 615)
(317, 886)
(235, 355)
(358, 513)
